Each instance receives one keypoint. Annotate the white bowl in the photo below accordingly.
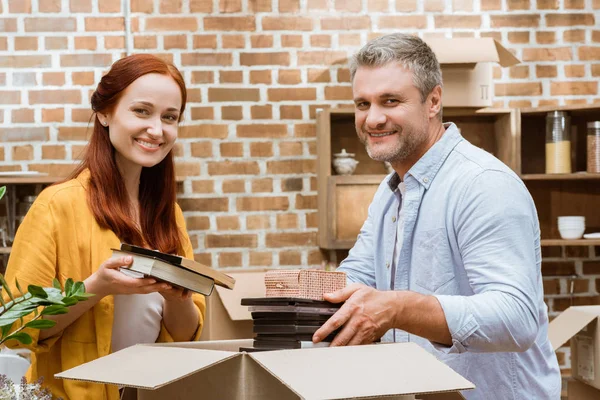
(13, 366)
(578, 218)
(568, 225)
(571, 233)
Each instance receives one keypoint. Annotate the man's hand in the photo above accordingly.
(367, 314)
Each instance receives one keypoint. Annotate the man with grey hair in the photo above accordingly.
(449, 256)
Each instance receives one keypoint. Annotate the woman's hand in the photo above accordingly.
(176, 293)
(108, 280)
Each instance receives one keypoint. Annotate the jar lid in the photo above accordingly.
(556, 114)
(343, 154)
(594, 124)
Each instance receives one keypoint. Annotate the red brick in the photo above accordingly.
(264, 185)
(233, 41)
(53, 115)
(201, 6)
(21, 133)
(291, 41)
(547, 4)
(144, 42)
(53, 78)
(19, 6)
(518, 5)
(259, 76)
(291, 149)
(306, 202)
(261, 149)
(172, 24)
(232, 149)
(230, 6)
(551, 286)
(292, 94)
(54, 152)
(277, 58)
(285, 23)
(205, 41)
(231, 240)
(170, 6)
(214, 131)
(22, 115)
(228, 222)
(490, 5)
(201, 149)
(320, 41)
(378, 6)
(458, 21)
(406, 21)
(290, 112)
(231, 77)
(227, 259)
(54, 97)
(229, 24)
(518, 89)
(321, 57)
(26, 43)
(50, 24)
(204, 204)
(81, 115)
(49, 6)
(74, 133)
(587, 53)
(85, 60)
(194, 223)
(203, 77)
(261, 112)
(547, 54)
(261, 131)
(575, 35)
(291, 239)
(317, 4)
(22, 153)
(287, 221)
(518, 37)
(114, 42)
(515, 20)
(291, 167)
(10, 97)
(519, 72)
(260, 6)
(570, 19)
(338, 93)
(289, 6)
(558, 268)
(233, 168)
(203, 186)
(290, 258)
(206, 59)
(108, 24)
(200, 113)
(574, 71)
(261, 258)
(232, 113)
(545, 71)
(234, 186)
(434, 5)
(261, 41)
(233, 94)
(25, 61)
(573, 88)
(280, 203)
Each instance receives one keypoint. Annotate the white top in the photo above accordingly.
(399, 235)
(137, 319)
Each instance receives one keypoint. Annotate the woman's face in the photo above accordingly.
(143, 125)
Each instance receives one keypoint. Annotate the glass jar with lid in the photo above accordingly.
(558, 143)
(593, 147)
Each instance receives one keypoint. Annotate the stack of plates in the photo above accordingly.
(288, 323)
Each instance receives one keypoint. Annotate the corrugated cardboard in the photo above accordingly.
(467, 69)
(580, 324)
(215, 370)
(226, 318)
(580, 391)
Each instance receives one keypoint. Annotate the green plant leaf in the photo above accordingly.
(55, 310)
(37, 291)
(83, 296)
(21, 337)
(40, 324)
(78, 288)
(69, 301)
(5, 286)
(56, 284)
(68, 286)
(2, 303)
(5, 330)
(2, 191)
(19, 287)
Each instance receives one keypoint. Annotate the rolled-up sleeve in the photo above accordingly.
(498, 237)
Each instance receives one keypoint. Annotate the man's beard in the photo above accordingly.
(406, 143)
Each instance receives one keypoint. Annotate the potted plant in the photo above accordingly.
(37, 302)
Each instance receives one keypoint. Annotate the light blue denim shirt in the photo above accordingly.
(472, 240)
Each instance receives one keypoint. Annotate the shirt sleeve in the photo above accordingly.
(359, 266)
(198, 299)
(498, 237)
(33, 262)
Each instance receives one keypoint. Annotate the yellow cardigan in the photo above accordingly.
(60, 238)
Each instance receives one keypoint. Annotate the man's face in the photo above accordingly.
(391, 121)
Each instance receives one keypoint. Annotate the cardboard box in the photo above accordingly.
(580, 391)
(467, 69)
(215, 370)
(580, 324)
(226, 318)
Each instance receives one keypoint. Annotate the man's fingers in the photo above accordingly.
(338, 319)
(343, 294)
(346, 336)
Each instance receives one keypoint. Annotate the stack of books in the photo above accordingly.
(172, 269)
(288, 323)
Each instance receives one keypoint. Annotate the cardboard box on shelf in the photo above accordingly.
(580, 324)
(226, 318)
(580, 391)
(215, 370)
(467, 69)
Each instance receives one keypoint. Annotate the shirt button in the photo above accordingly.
(387, 264)
(393, 219)
(425, 180)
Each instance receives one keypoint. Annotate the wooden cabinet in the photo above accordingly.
(517, 137)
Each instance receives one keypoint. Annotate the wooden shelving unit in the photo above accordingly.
(517, 137)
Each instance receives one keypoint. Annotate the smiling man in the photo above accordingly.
(449, 256)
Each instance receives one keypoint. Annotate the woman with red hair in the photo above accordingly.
(123, 191)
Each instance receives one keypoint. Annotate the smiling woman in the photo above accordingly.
(123, 191)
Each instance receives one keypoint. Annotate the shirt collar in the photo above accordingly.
(427, 167)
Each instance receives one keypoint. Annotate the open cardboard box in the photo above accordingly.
(216, 370)
(580, 324)
(467, 69)
(226, 318)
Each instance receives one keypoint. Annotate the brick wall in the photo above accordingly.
(256, 72)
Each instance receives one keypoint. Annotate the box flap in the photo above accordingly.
(580, 391)
(348, 372)
(569, 322)
(247, 284)
(146, 367)
(471, 51)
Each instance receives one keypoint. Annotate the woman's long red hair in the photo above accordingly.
(106, 195)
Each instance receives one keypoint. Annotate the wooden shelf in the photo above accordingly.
(43, 180)
(560, 177)
(570, 242)
(5, 250)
